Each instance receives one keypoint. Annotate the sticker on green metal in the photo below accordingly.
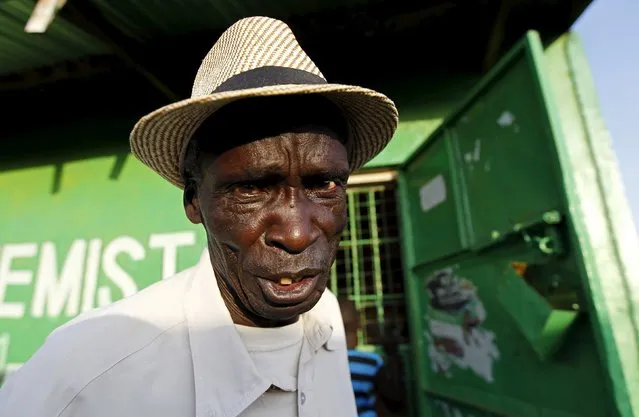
(433, 193)
(454, 331)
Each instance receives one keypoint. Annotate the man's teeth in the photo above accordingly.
(286, 281)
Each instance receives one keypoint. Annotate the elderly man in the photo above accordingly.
(262, 150)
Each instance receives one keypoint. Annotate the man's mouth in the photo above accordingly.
(286, 278)
(288, 288)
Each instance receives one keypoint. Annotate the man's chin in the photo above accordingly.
(286, 313)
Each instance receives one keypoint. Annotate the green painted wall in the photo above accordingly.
(423, 105)
(93, 240)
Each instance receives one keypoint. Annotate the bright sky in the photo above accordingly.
(610, 36)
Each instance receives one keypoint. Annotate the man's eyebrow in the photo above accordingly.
(327, 172)
(252, 173)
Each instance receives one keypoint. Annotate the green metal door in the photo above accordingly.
(520, 250)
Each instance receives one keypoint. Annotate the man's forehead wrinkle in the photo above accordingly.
(252, 161)
(251, 171)
(236, 156)
(264, 170)
(266, 153)
(319, 155)
(301, 152)
(291, 154)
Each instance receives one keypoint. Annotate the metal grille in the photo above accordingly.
(368, 267)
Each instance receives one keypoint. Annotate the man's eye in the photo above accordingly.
(247, 188)
(330, 185)
(322, 184)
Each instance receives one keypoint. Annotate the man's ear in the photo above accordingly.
(192, 203)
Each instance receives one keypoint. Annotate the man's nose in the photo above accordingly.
(293, 227)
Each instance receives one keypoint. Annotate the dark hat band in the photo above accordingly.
(266, 77)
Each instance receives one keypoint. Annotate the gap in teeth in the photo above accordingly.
(286, 281)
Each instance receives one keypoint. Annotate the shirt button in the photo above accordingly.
(302, 398)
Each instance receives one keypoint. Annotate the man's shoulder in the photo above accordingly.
(127, 323)
(158, 304)
(84, 348)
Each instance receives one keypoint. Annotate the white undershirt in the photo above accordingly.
(276, 354)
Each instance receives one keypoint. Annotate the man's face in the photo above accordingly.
(274, 210)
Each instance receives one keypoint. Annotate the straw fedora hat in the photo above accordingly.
(258, 57)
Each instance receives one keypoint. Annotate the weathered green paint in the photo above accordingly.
(517, 179)
(408, 138)
(543, 326)
(602, 219)
(422, 106)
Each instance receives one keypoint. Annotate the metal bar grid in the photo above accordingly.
(368, 267)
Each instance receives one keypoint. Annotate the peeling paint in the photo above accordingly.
(506, 119)
(475, 154)
(432, 193)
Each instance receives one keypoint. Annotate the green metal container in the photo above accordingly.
(520, 250)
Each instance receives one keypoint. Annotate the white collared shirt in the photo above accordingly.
(171, 350)
(275, 353)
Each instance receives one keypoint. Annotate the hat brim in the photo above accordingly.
(158, 139)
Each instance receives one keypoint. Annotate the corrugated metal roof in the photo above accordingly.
(140, 20)
(152, 22)
(20, 50)
(144, 20)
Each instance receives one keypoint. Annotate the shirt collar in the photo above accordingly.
(219, 355)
